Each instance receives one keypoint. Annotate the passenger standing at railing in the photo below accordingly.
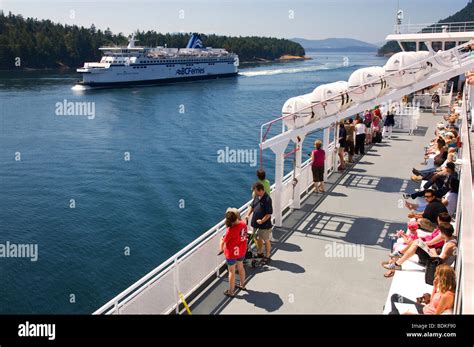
(261, 175)
(376, 134)
(342, 145)
(350, 130)
(318, 157)
(435, 102)
(368, 117)
(234, 246)
(262, 210)
(360, 137)
(388, 124)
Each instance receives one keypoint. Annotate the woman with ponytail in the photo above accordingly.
(234, 246)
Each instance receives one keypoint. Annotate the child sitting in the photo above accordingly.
(405, 239)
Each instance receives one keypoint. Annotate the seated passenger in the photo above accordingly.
(433, 208)
(440, 180)
(433, 240)
(426, 254)
(441, 299)
(450, 200)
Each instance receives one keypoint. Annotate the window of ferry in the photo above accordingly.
(437, 46)
(449, 45)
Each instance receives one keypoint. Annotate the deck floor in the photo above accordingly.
(327, 254)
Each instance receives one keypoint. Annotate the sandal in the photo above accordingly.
(241, 287)
(229, 294)
(393, 266)
(389, 274)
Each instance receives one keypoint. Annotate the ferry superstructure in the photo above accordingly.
(134, 65)
(309, 273)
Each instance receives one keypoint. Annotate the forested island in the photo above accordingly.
(43, 44)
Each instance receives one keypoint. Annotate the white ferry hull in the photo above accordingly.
(139, 74)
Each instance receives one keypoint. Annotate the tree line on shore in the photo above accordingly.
(33, 43)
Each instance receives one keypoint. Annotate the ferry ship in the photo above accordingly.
(134, 65)
(360, 207)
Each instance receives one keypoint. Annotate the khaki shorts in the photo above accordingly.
(263, 234)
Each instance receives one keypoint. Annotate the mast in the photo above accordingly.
(399, 18)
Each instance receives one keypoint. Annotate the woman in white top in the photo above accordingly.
(360, 137)
(450, 200)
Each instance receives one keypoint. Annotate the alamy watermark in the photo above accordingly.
(28, 329)
(340, 250)
(71, 108)
(240, 156)
(19, 250)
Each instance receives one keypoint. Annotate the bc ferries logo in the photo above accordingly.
(190, 71)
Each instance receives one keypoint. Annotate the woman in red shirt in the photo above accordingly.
(234, 246)
(318, 156)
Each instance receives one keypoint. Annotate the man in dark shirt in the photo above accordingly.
(262, 210)
(441, 180)
(432, 210)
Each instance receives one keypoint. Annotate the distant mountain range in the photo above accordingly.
(336, 45)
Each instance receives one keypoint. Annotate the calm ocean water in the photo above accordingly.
(172, 133)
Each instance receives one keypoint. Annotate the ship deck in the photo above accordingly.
(326, 257)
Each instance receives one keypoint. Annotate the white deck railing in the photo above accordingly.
(158, 292)
(465, 216)
(428, 28)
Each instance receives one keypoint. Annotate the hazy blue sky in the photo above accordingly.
(368, 20)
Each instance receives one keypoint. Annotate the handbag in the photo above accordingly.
(431, 269)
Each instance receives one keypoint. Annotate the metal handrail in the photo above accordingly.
(161, 269)
(113, 305)
(465, 218)
(427, 28)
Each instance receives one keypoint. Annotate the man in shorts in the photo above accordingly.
(262, 210)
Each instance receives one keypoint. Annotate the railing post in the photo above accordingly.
(327, 164)
(335, 157)
(217, 256)
(279, 150)
(176, 283)
(298, 187)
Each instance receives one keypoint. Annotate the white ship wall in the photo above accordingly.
(149, 72)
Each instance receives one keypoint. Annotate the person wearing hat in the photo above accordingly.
(451, 140)
(433, 240)
(234, 247)
(426, 254)
(439, 128)
(434, 102)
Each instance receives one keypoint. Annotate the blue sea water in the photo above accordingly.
(171, 134)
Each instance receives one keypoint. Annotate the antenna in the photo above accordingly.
(399, 18)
